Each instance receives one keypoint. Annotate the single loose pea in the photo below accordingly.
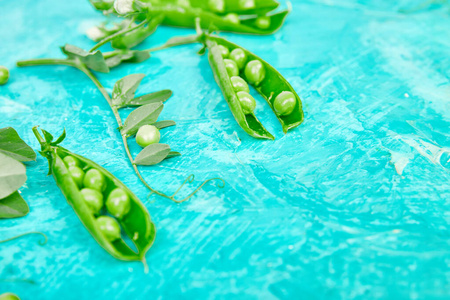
(224, 50)
(232, 18)
(94, 180)
(239, 84)
(232, 68)
(262, 22)
(118, 203)
(239, 57)
(147, 135)
(109, 227)
(246, 4)
(71, 161)
(248, 103)
(4, 75)
(284, 103)
(255, 72)
(9, 296)
(77, 175)
(216, 5)
(93, 199)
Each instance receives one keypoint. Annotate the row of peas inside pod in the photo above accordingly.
(236, 61)
(100, 197)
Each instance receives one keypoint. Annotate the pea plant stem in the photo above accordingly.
(80, 66)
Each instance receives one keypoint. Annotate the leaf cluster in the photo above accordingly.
(13, 152)
(149, 107)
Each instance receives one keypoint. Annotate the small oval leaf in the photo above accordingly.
(160, 96)
(144, 115)
(12, 175)
(164, 124)
(125, 88)
(13, 206)
(152, 154)
(12, 145)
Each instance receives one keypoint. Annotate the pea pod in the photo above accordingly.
(248, 121)
(185, 16)
(240, 7)
(270, 87)
(136, 223)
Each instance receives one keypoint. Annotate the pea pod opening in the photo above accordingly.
(248, 7)
(270, 87)
(248, 121)
(135, 224)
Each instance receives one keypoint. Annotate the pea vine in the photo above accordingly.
(149, 106)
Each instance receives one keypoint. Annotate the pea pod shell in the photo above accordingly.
(234, 6)
(185, 17)
(273, 84)
(136, 224)
(248, 122)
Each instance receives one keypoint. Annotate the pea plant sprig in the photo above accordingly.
(149, 107)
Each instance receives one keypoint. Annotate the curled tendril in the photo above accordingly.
(42, 243)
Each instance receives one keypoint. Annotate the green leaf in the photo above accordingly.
(12, 175)
(125, 88)
(94, 61)
(12, 145)
(144, 115)
(173, 154)
(152, 154)
(160, 96)
(130, 56)
(164, 124)
(60, 138)
(13, 206)
(47, 135)
(102, 4)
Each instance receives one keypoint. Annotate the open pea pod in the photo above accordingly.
(241, 7)
(270, 87)
(185, 16)
(135, 223)
(247, 121)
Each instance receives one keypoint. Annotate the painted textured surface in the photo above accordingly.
(354, 204)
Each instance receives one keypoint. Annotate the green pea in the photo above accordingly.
(216, 5)
(9, 296)
(262, 22)
(4, 75)
(255, 72)
(109, 227)
(93, 199)
(232, 18)
(239, 57)
(248, 103)
(285, 103)
(246, 4)
(147, 135)
(77, 175)
(224, 50)
(239, 84)
(232, 68)
(71, 161)
(94, 180)
(118, 203)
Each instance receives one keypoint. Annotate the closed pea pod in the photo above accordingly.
(135, 223)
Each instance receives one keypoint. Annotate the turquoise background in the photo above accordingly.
(353, 204)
